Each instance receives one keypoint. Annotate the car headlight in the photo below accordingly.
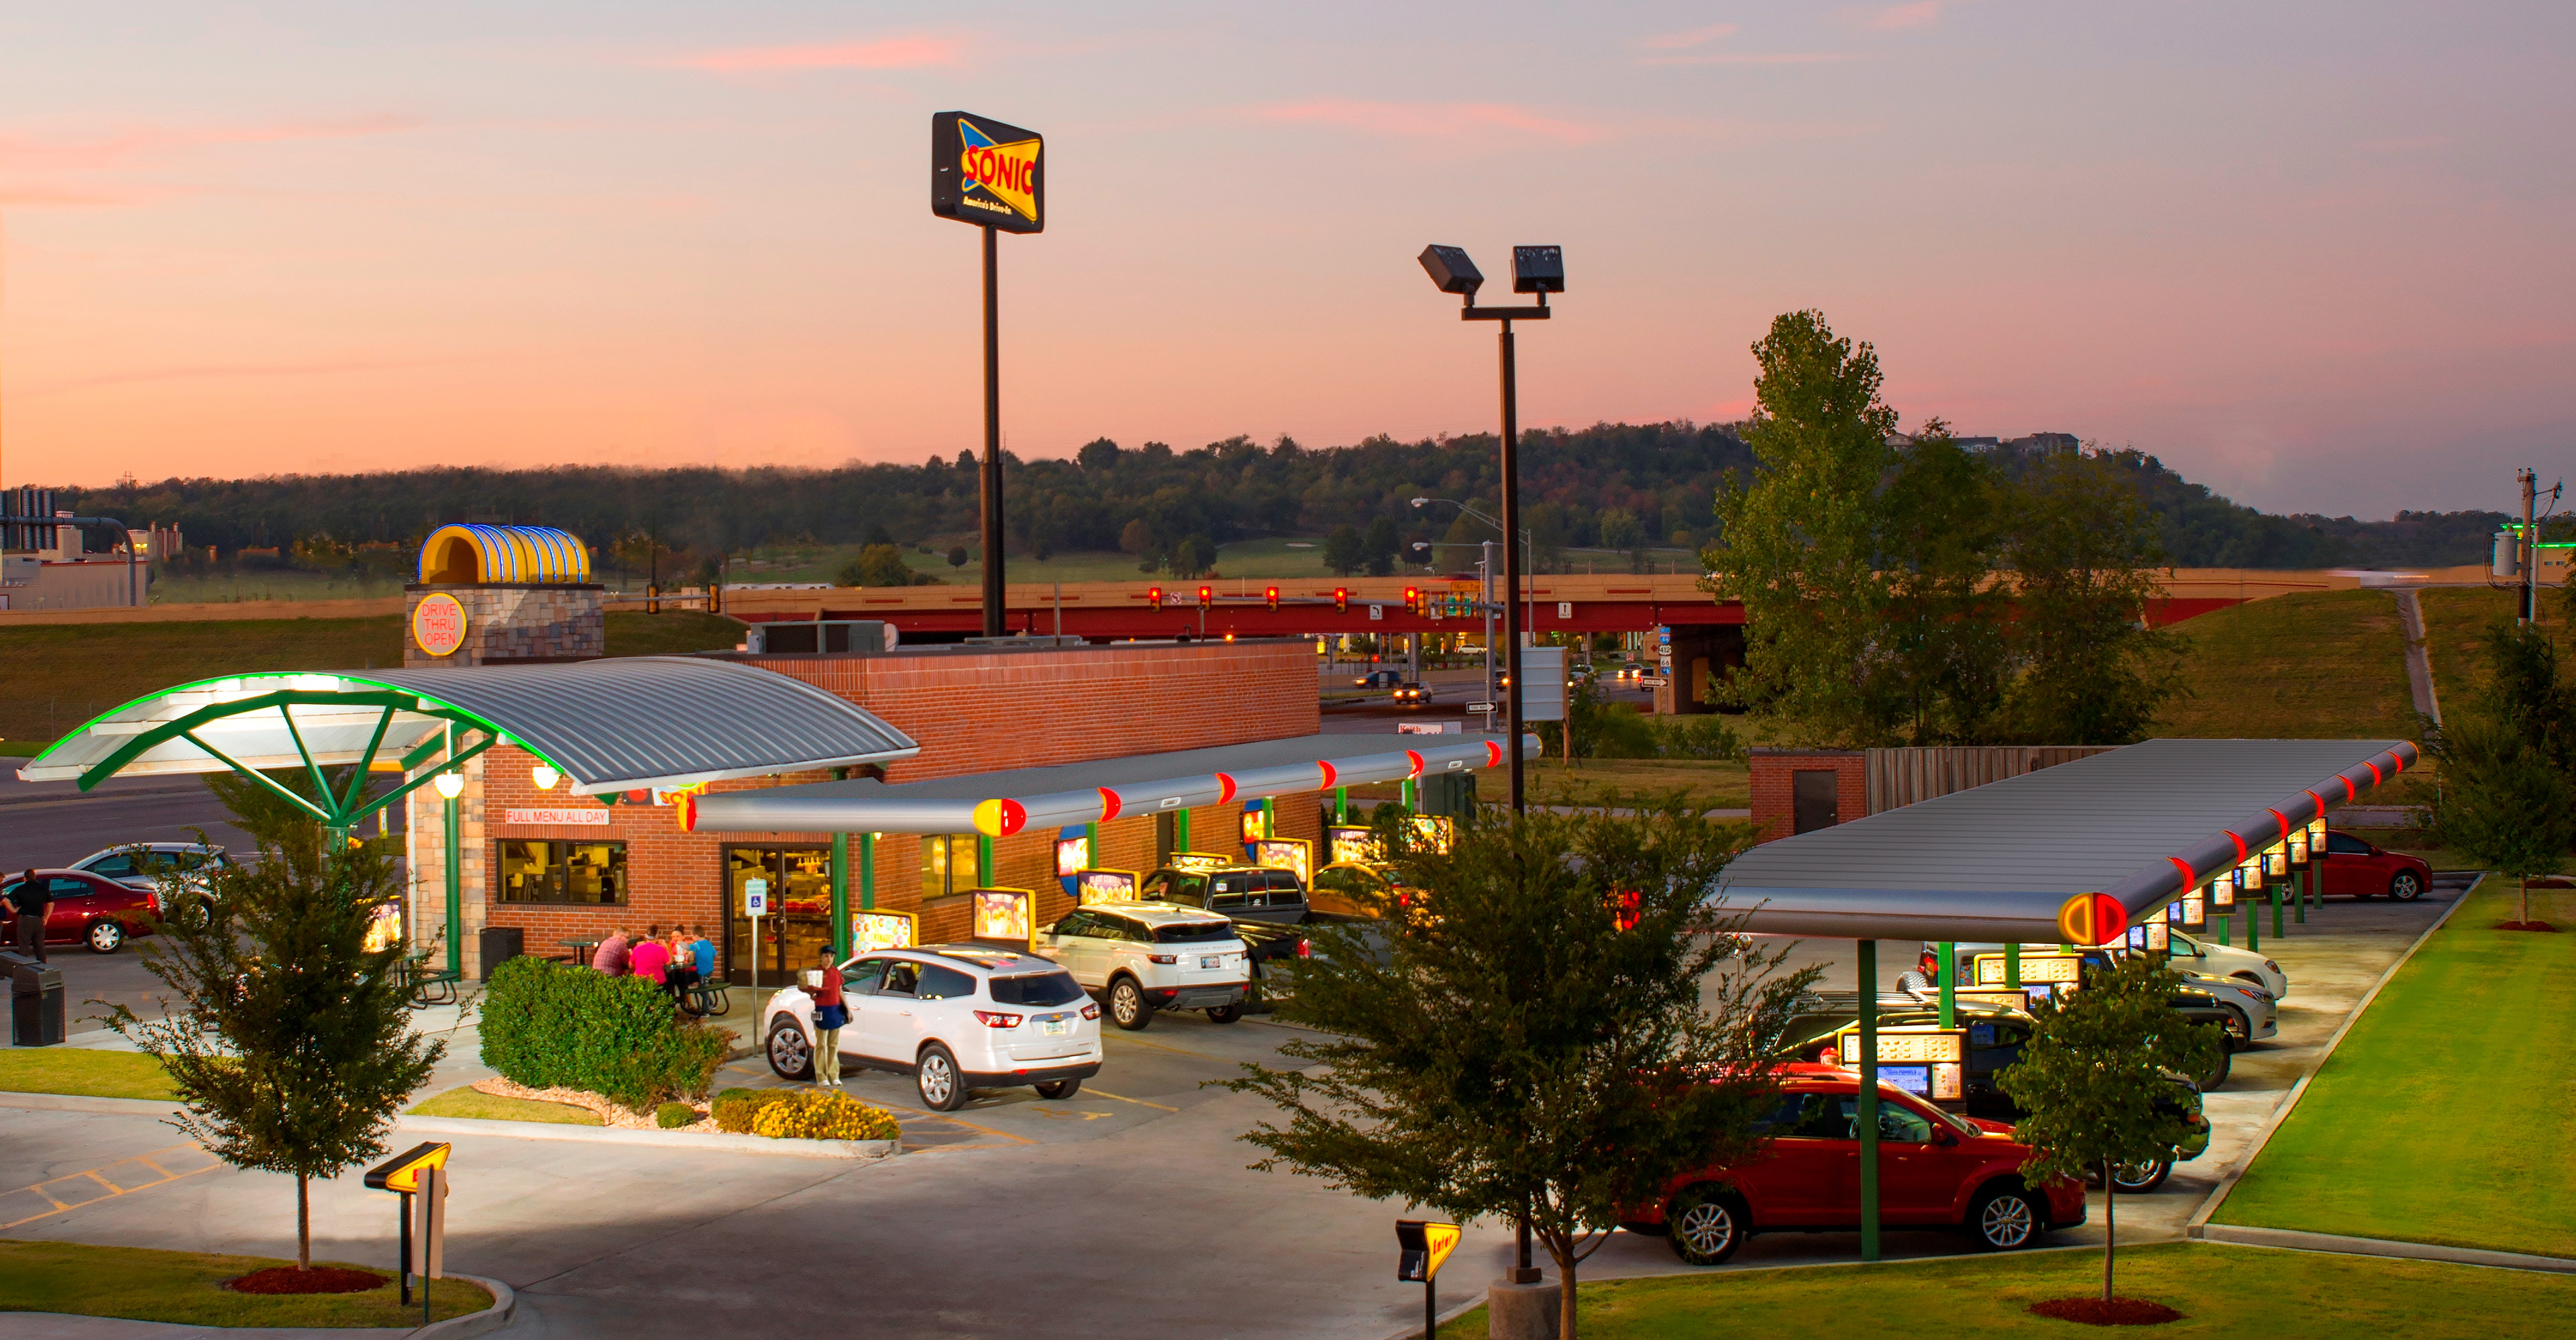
(2270, 965)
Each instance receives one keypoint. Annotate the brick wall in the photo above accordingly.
(1774, 786)
(970, 712)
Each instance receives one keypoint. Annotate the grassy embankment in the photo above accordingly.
(2221, 1291)
(54, 677)
(186, 1288)
(2317, 665)
(2442, 1116)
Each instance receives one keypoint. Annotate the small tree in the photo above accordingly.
(956, 555)
(1342, 552)
(2092, 1073)
(1509, 1050)
(2083, 552)
(2505, 798)
(291, 1046)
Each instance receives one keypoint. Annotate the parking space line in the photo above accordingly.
(1165, 1047)
(97, 1175)
(1137, 1101)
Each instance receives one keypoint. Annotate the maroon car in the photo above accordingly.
(90, 910)
(1935, 1171)
(2356, 869)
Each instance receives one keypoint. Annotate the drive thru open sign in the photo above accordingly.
(1421, 1245)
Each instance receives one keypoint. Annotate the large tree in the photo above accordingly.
(2084, 553)
(290, 1039)
(1946, 660)
(1497, 1044)
(1799, 542)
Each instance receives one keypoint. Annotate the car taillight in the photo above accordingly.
(1305, 949)
(1090, 1011)
(1162, 958)
(996, 1019)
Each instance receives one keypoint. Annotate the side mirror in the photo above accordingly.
(1943, 1135)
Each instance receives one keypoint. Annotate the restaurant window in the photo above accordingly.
(796, 925)
(947, 864)
(581, 873)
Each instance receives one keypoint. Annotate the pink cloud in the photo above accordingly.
(118, 148)
(1756, 58)
(1922, 14)
(891, 53)
(1692, 38)
(1441, 120)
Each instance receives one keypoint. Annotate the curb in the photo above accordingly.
(2197, 1226)
(609, 1135)
(2294, 1240)
(504, 1309)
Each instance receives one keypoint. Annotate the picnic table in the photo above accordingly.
(582, 950)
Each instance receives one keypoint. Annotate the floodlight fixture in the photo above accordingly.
(545, 777)
(1451, 271)
(451, 783)
(1539, 270)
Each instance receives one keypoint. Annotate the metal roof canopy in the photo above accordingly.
(1998, 862)
(999, 803)
(608, 725)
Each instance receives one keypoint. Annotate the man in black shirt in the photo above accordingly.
(27, 902)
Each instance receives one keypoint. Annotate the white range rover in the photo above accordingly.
(1143, 957)
(954, 1017)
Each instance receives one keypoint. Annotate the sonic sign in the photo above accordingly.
(987, 173)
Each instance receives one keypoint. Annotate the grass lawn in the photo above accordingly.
(2443, 1116)
(466, 1101)
(2456, 619)
(2317, 665)
(187, 1288)
(54, 677)
(92, 1074)
(2221, 1291)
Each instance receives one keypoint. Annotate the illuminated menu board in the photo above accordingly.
(1926, 1062)
(1200, 860)
(1352, 844)
(880, 930)
(1072, 855)
(2034, 968)
(1003, 914)
(1105, 886)
(1287, 854)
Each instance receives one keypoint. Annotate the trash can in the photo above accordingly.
(501, 942)
(35, 1001)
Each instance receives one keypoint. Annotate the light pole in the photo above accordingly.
(1539, 270)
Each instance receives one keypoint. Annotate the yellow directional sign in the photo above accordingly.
(402, 1172)
(1421, 1246)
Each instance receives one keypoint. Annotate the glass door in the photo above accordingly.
(795, 928)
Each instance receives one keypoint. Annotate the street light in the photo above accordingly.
(1539, 270)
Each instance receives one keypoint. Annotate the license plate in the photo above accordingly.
(1208, 962)
(1053, 1028)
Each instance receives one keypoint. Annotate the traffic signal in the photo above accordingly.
(1341, 600)
(1271, 594)
(1207, 596)
(1154, 597)
(1413, 600)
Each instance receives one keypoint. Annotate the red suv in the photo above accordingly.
(2356, 869)
(90, 910)
(1934, 1171)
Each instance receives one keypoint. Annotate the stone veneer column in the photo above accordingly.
(515, 623)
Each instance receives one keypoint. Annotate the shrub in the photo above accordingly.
(672, 1116)
(547, 1024)
(1701, 737)
(734, 1108)
(823, 1115)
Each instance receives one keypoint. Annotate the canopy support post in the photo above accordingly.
(1868, 1100)
(840, 896)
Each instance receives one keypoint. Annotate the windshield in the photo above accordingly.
(1193, 932)
(1036, 988)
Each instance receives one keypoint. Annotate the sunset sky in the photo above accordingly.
(2319, 256)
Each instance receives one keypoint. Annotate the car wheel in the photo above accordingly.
(1059, 1088)
(1127, 1007)
(1224, 1014)
(942, 1088)
(105, 936)
(2217, 1074)
(2240, 1033)
(2405, 886)
(1706, 1225)
(2005, 1219)
(791, 1054)
(2137, 1179)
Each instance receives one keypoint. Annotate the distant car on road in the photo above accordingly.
(92, 910)
(2358, 869)
(1414, 694)
(142, 864)
(1379, 679)
(1632, 671)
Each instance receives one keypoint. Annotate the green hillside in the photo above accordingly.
(2319, 665)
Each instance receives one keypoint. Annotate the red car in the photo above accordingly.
(1935, 1171)
(2356, 869)
(90, 910)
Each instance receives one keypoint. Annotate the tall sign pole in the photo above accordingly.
(990, 174)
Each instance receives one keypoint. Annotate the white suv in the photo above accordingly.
(2214, 960)
(954, 1017)
(1143, 957)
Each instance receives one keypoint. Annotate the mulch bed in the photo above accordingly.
(2117, 1312)
(320, 1279)
(2526, 926)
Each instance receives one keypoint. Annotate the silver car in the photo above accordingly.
(141, 865)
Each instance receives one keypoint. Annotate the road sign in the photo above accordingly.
(1480, 707)
(1565, 609)
(402, 1173)
(987, 172)
(755, 897)
(1421, 1245)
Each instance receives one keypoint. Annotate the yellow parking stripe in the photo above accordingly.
(97, 1176)
(1137, 1101)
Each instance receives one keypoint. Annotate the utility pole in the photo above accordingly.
(2527, 550)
